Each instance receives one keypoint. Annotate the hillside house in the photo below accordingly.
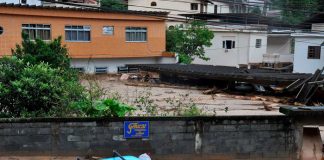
(23, 2)
(309, 45)
(243, 40)
(98, 41)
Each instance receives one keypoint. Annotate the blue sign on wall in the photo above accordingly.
(136, 129)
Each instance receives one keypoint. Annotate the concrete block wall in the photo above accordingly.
(237, 137)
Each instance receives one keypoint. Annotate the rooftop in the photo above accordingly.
(239, 18)
(87, 9)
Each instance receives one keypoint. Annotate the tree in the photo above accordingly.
(37, 80)
(189, 42)
(35, 89)
(113, 5)
(296, 11)
(35, 52)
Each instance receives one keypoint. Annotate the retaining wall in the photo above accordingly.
(235, 137)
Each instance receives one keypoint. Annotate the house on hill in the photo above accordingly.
(309, 45)
(243, 40)
(98, 41)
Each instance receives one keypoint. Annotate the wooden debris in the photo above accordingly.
(267, 107)
(308, 89)
(213, 90)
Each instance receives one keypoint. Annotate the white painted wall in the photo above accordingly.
(301, 63)
(318, 27)
(112, 63)
(174, 7)
(256, 54)
(279, 50)
(221, 7)
(244, 52)
(281, 45)
(29, 2)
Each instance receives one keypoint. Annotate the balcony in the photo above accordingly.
(274, 58)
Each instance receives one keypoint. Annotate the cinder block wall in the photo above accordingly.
(238, 137)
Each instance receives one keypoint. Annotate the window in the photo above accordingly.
(258, 43)
(101, 69)
(136, 34)
(37, 31)
(1, 30)
(77, 33)
(23, 1)
(153, 3)
(108, 30)
(314, 52)
(228, 44)
(215, 9)
(194, 6)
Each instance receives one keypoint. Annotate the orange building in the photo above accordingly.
(98, 41)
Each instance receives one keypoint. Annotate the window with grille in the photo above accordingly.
(37, 31)
(194, 6)
(258, 43)
(1, 30)
(99, 70)
(228, 44)
(314, 52)
(153, 4)
(77, 33)
(136, 34)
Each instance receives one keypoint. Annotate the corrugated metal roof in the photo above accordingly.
(87, 9)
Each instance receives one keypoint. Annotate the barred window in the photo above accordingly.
(194, 6)
(258, 43)
(37, 31)
(99, 70)
(153, 3)
(77, 33)
(136, 34)
(314, 52)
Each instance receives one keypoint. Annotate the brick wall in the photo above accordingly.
(236, 137)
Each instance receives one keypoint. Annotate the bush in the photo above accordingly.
(38, 82)
(35, 52)
(102, 108)
(36, 89)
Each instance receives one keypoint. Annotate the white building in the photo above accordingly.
(309, 52)
(176, 8)
(309, 45)
(23, 2)
(242, 42)
(279, 52)
(236, 48)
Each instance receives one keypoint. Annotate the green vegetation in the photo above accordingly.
(102, 108)
(113, 5)
(296, 11)
(145, 102)
(37, 82)
(189, 42)
(184, 106)
(35, 52)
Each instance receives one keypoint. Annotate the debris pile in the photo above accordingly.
(301, 88)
